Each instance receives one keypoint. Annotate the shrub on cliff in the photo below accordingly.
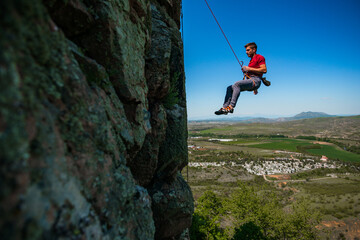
(172, 97)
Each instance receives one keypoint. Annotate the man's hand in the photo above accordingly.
(261, 69)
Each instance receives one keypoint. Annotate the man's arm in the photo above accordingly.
(261, 69)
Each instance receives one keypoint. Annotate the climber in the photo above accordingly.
(251, 82)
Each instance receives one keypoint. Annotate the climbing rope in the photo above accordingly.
(240, 62)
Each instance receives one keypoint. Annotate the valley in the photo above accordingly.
(303, 159)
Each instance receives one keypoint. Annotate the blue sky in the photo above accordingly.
(312, 51)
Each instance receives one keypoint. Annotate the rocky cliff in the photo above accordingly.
(93, 123)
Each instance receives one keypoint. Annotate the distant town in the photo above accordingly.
(276, 165)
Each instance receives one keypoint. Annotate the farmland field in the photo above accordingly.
(335, 153)
(282, 144)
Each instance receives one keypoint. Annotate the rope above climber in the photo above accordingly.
(252, 74)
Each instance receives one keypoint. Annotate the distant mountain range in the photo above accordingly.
(303, 115)
(312, 115)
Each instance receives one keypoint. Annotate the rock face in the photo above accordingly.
(93, 123)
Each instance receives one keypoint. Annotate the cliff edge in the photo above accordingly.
(93, 123)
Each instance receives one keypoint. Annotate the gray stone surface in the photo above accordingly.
(87, 134)
(172, 207)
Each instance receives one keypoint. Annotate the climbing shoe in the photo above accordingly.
(225, 111)
(266, 82)
(221, 111)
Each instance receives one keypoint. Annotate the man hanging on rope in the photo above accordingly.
(251, 82)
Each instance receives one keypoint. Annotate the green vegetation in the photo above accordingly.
(217, 156)
(333, 189)
(307, 137)
(209, 133)
(337, 198)
(257, 209)
(282, 144)
(299, 144)
(172, 97)
(254, 214)
(335, 153)
(293, 145)
(347, 147)
(331, 129)
(322, 172)
(206, 218)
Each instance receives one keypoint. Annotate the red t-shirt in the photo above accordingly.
(255, 62)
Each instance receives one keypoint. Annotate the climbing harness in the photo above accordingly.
(247, 76)
(241, 63)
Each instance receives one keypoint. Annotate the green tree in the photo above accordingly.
(197, 230)
(207, 216)
(249, 231)
(255, 213)
(259, 215)
(301, 221)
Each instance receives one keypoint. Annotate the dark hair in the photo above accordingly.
(252, 45)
